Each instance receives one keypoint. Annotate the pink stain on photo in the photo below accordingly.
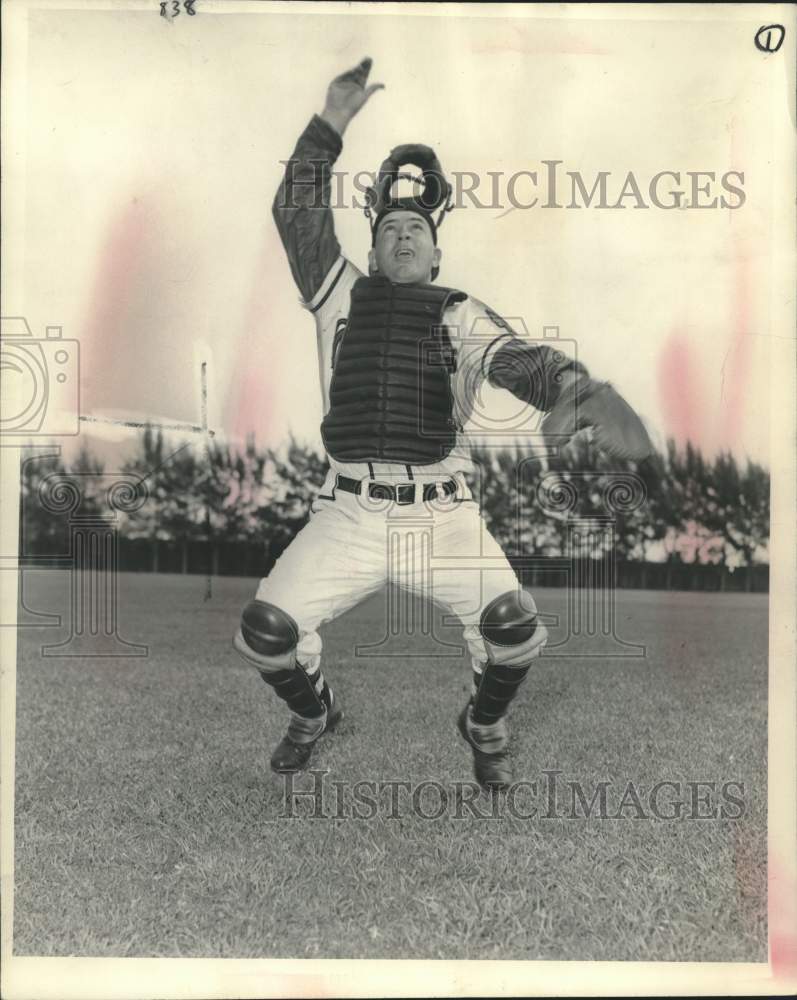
(117, 273)
(736, 366)
(528, 43)
(782, 920)
(682, 378)
(251, 398)
(679, 391)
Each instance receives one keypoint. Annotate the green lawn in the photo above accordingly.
(149, 824)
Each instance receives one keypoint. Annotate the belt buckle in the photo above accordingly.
(405, 493)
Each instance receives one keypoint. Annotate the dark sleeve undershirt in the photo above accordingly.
(302, 209)
(532, 372)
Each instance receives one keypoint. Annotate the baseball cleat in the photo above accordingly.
(292, 753)
(493, 771)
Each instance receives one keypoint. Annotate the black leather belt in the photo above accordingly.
(401, 493)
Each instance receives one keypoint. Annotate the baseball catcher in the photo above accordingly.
(398, 387)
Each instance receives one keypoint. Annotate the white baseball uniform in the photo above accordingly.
(353, 545)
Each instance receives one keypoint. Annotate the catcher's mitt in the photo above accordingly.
(436, 193)
(617, 430)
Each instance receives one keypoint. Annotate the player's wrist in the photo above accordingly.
(338, 120)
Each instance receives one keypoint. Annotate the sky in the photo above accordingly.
(152, 154)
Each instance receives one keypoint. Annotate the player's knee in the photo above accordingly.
(510, 619)
(268, 629)
(511, 630)
(267, 637)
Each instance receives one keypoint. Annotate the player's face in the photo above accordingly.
(404, 251)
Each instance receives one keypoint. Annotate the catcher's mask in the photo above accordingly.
(436, 192)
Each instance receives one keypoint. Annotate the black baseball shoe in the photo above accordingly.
(493, 771)
(294, 750)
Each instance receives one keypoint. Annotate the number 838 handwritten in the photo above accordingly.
(171, 8)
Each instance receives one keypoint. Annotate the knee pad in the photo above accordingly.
(267, 637)
(510, 629)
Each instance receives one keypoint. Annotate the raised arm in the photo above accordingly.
(301, 207)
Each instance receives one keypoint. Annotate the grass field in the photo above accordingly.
(149, 824)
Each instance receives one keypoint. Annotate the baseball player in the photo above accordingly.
(398, 376)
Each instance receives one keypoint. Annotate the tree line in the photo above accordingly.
(678, 506)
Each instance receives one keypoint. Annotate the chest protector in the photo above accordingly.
(390, 394)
